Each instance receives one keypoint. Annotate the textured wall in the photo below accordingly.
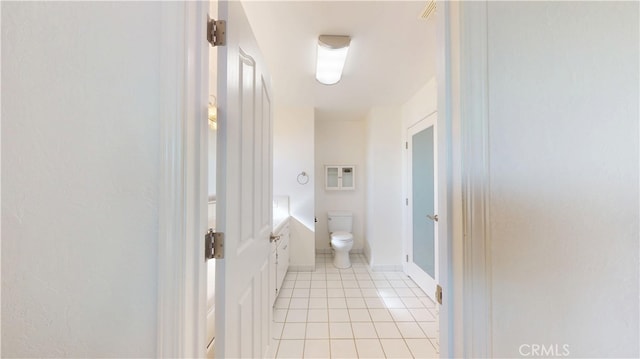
(384, 198)
(80, 168)
(563, 120)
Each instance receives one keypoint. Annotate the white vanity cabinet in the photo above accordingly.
(282, 258)
(279, 258)
(273, 260)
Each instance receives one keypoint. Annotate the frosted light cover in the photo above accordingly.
(331, 59)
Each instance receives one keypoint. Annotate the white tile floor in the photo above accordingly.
(353, 313)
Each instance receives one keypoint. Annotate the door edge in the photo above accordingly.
(181, 293)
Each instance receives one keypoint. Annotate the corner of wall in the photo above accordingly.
(294, 129)
(383, 245)
(367, 250)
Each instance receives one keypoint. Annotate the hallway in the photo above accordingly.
(353, 313)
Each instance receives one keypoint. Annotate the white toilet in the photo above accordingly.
(340, 228)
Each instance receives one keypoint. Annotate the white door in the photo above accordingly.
(422, 264)
(244, 201)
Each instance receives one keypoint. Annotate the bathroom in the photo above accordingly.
(395, 318)
(320, 143)
(366, 134)
(374, 144)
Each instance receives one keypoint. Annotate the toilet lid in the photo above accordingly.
(341, 236)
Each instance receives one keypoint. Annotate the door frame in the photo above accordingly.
(430, 120)
(182, 215)
(462, 78)
(463, 105)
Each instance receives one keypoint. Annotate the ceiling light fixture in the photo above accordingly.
(332, 54)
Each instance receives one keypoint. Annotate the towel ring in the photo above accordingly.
(303, 178)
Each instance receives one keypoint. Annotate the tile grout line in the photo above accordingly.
(380, 281)
(326, 290)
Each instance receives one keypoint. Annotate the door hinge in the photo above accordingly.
(406, 201)
(406, 145)
(439, 294)
(407, 258)
(217, 32)
(213, 245)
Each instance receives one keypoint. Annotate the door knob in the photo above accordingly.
(433, 218)
(273, 238)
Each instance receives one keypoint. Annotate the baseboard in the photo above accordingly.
(386, 268)
(329, 251)
(303, 268)
(374, 268)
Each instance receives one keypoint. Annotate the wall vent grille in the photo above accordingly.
(428, 10)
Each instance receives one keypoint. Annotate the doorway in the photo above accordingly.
(178, 264)
(422, 259)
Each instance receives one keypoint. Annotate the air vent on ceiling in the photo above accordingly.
(428, 10)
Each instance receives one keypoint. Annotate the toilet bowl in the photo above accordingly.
(341, 242)
(340, 226)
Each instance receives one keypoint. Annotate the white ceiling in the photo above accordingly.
(392, 52)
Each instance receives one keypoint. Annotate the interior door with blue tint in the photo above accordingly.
(422, 260)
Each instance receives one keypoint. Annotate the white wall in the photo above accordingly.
(384, 196)
(421, 104)
(293, 153)
(340, 143)
(80, 166)
(564, 165)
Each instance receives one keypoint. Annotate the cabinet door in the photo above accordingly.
(273, 283)
(347, 177)
(283, 256)
(340, 178)
(332, 177)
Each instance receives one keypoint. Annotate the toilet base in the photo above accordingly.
(341, 259)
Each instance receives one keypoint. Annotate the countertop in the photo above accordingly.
(279, 220)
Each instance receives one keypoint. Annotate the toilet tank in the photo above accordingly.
(340, 221)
